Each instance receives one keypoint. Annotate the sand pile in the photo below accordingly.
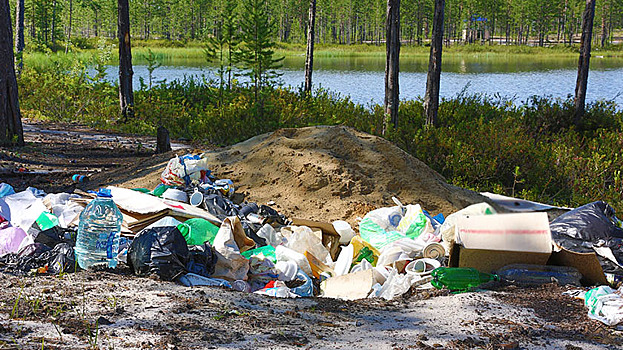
(329, 173)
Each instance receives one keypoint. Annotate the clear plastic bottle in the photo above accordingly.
(97, 242)
(525, 274)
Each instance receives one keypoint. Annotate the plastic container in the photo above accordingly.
(79, 178)
(460, 278)
(359, 244)
(344, 230)
(97, 241)
(176, 195)
(527, 274)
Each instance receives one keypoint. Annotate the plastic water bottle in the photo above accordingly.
(460, 278)
(525, 274)
(99, 230)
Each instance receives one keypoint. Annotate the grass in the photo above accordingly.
(194, 52)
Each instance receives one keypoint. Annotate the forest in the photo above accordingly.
(57, 24)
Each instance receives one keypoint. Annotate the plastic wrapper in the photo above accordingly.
(303, 240)
(307, 288)
(605, 305)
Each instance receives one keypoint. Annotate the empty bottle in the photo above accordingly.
(460, 278)
(97, 242)
(526, 274)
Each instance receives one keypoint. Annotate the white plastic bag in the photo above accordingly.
(304, 240)
(387, 218)
(397, 284)
(605, 305)
(271, 236)
(286, 254)
(178, 168)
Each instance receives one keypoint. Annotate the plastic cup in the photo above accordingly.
(344, 230)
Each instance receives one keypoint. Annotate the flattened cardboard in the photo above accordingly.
(586, 263)
(352, 286)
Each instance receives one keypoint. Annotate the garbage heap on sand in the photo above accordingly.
(193, 230)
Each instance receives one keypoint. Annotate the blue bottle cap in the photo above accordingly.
(103, 192)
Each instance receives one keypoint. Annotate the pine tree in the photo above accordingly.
(256, 53)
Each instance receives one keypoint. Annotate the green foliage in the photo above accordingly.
(483, 142)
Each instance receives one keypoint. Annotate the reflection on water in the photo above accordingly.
(362, 78)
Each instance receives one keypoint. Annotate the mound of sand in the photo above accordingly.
(329, 173)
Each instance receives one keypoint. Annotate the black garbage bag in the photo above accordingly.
(219, 206)
(34, 256)
(589, 227)
(202, 260)
(159, 250)
(60, 259)
(271, 215)
(50, 237)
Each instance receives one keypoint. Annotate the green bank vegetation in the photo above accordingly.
(483, 142)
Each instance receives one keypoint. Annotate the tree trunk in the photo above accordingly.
(126, 94)
(19, 34)
(431, 98)
(53, 34)
(163, 141)
(604, 28)
(11, 131)
(392, 68)
(583, 64)
(71, 13)
(309, 61)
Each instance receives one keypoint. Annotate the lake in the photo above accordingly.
(362, 78)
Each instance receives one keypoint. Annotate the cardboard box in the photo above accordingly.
(475, 254)
(490, 242)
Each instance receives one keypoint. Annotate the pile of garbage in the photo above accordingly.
(195, 230)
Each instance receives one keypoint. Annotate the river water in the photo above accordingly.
(362, 78)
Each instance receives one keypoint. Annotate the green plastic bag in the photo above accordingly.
(198, 231)
(375, 235)
(267, 252)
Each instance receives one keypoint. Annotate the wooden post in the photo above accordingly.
(431, 99)
(583, 63)
(126, 94)
(11, 132)
(392, 64)
(309, 61)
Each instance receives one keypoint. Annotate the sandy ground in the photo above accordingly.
(317, 173)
